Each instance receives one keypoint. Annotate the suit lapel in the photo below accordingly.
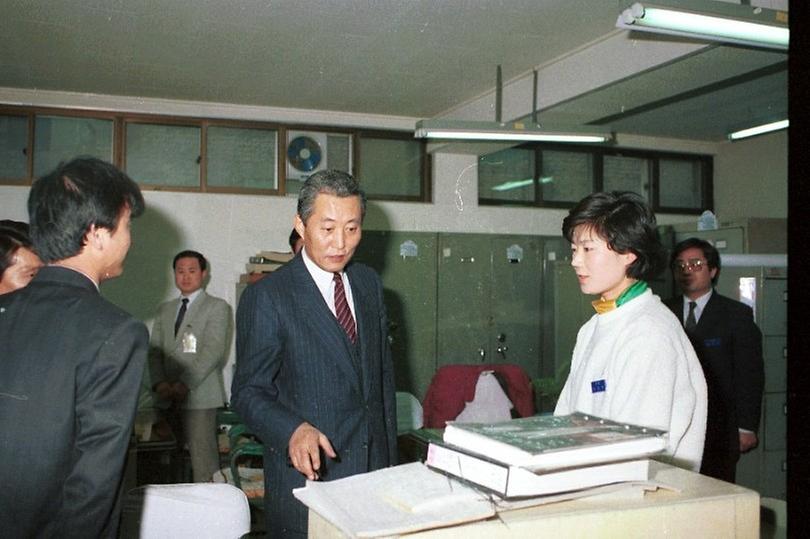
(325, 326)
(364, 318)
(711, 313)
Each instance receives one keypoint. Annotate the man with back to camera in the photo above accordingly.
(189, 346)
(72, 362)
(314, 376)
(729, 345)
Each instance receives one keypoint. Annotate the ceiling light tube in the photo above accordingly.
(517, 132)
(758, 130)
(730, 28)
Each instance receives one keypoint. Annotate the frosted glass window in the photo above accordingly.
(60, 138)
(13, 144)
(241, 158)
(390, 167)
(622, 173)
(680, 183)
(566, 176)
(166, 155)
(507, 175)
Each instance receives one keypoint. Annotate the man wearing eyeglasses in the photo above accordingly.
(729, 345)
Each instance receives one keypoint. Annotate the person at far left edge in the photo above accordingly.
(71, 361)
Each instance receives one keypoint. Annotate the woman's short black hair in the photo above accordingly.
(10, 242)
(626, 223)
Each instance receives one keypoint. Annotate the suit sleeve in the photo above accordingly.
(106, 397)
(259, 355)
(212, 346)
(749, 371)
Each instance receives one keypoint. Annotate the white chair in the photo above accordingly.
(409, 412)
(198, 510)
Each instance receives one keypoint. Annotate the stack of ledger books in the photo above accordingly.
(542, 455)
(263, 263)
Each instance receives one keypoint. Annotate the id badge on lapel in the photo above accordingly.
(189, 343)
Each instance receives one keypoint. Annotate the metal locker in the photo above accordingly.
(774, 427)
(464, 281)
(774, 351)
(406, 262)
(489, 299)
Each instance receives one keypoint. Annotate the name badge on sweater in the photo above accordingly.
(712, 343)
(598, 386)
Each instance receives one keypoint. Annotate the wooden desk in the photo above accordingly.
(705, 507)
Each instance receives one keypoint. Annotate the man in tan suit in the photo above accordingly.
(189, 346)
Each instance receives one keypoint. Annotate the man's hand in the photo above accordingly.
(305, 450)
(179, 391)
(748, 441)
(164, 391)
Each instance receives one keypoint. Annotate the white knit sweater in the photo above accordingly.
(651, 375)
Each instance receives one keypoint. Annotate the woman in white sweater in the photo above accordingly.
(632, 360)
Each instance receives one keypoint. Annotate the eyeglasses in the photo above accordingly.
(693, 264)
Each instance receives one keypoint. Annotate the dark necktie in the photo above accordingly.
(180, 314)
(691, 322)
(342, 311)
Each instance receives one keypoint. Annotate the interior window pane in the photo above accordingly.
(391, 167)
(565, 176)
(60, 138)
(163, 154)
(507, 175)
(627, 174)
(13, 142)
(680, 183)
(241, 158)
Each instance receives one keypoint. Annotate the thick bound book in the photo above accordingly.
(514, 482)
(548, 442)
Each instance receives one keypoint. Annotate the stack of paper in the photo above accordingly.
(395, 500)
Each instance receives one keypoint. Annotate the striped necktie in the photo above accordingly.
(342, 311)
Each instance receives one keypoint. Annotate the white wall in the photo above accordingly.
(751, 178)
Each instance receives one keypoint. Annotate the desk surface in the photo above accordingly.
(704, 507)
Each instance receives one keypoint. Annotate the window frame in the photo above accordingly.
(122, 119)
(598, 154)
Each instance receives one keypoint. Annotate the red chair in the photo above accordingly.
(454, 385)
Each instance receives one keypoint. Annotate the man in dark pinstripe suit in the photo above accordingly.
(317, 390)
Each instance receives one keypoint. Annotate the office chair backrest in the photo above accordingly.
(198, 510)
(454, 385)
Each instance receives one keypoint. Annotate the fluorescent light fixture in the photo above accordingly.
(517, 184)
(744, 25)
(510, 131)
(758, 130)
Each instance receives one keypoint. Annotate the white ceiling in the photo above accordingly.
(414, 58)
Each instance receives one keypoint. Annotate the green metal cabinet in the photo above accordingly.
(489, 300)
(406, 262)
(765, 290)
